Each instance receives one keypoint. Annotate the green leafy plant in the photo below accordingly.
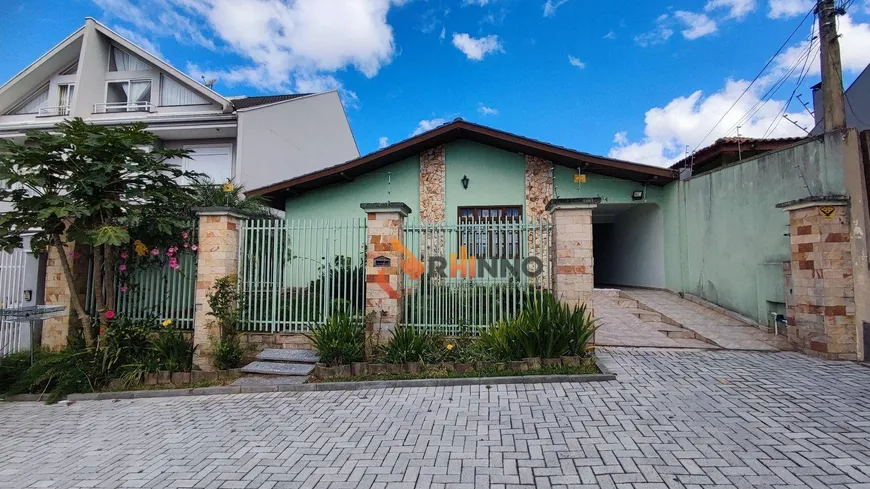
(409, 344)
(173, 351)
(58, 374)
(95, 186)
(340, 339)
(227, 353)
(208, 193)
(545, 328)
(226, 305)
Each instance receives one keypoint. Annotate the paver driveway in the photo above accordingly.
(675, 418)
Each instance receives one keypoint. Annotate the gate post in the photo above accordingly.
(573, 263)
(821, 317)
(217, 257)
(385, 285)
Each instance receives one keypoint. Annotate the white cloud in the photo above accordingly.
(481, 3)
(610, 35)
(621, 138)
(576, 62)
(660, 34)
(686, 120)
(737, 9)
(476, 48)
(697, 25)
(854, 50)
(286, 45)
(551, 5)
(485, 111)
(428, 125)
(783, 9)
(139, 40)
(443, 33)
(383, 142)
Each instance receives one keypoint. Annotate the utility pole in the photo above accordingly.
(832, 69)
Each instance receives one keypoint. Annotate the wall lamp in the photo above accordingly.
(637, 195)
(465, 182)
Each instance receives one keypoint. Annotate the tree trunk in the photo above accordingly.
(109, 257)
(87, 331)
(99, 293)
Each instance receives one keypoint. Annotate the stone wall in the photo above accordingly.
(254, 343)
(573, 263)
(822, 319)
(385, 281)
(539, 186)
(433, 173)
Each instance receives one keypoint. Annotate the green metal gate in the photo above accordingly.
(296, 272)
(488, 292)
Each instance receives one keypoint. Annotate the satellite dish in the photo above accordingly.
(210, 83)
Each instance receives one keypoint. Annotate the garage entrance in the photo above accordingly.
(628, 244)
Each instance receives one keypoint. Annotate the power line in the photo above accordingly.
(756, 78)
(804, 71)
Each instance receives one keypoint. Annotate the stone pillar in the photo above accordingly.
(385, 285)
(55, 331)
(573, 263)
(217, 257)
(821, 319)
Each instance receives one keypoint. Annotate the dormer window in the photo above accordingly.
(120, 60)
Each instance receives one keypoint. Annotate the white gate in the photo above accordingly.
(14, 336)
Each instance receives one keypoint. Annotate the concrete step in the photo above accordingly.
(683, 335)
(270, 380)
(647, 316)
(276, 368)
(607, 292)
(627, 303)
(294, 356)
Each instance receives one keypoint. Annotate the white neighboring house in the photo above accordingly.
(99, 76)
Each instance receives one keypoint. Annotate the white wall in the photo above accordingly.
(631, 250)
(286, 140)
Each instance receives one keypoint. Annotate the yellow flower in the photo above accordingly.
(228, 187)
(167, 323)
(449, 346)
(140, 248)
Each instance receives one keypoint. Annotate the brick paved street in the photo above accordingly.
(679, 418)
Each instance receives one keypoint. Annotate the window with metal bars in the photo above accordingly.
(491, 232)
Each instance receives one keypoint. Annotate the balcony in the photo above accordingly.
(117, 107)
(53, 111)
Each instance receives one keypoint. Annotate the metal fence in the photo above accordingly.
(14, 336)
(506, 261)
(155, 291)
(297, 272)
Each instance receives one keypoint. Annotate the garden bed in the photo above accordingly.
(361, 371)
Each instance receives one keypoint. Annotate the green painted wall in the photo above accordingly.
(496, 177)
(725, 238)
(342, 200)
(611, 190)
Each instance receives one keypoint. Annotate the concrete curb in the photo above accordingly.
(605, 375)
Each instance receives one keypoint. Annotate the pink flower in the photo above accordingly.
(124, 288)
(155, 252)
(124, 255)
(74, 254)
(186, 245)
(122, 268)
(110, 314)
(194, 247)
(184, 235)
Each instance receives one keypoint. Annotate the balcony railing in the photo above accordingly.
(53, 110)
(115, 107)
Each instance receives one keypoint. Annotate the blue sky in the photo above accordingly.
(635, 80)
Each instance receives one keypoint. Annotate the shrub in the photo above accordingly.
(13, 367)
(61, 373)
(411, 345)
(227, 353)
(544, 328)
(339, 340)
(173, 351)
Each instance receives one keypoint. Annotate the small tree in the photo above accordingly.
(95, 185)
